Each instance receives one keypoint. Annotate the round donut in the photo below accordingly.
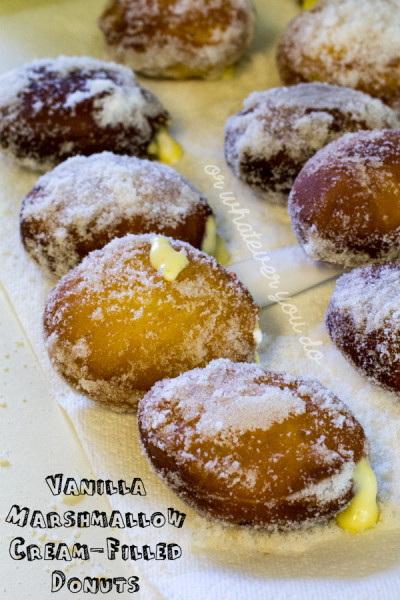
(354, 43)
(114, 325)
(277, 131)
(178, 38)
(363, 322)
(248, 446)
(85, 202)
(51, 109)
(345, 203)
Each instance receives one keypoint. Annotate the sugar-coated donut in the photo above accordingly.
(363, 321)
(54, 108)
(345, 203)
(114, 325)
(85, 202)
(178, 38)
(355, 43)
(277, 131)
(249, 446)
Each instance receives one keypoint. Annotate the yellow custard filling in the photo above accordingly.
(257, 334)
(362, 512)
(166, 149)
(210, 237)
(307, 4)
(228, 73)
(165, 259)
(213, 244)
(221, 252)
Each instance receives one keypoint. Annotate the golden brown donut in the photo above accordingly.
(114, 325)
(85, 202)
(54, 108)
(354, 43)
(248, 446)
(278, 130)
(363, 322)
(345, 203)
(178, 38)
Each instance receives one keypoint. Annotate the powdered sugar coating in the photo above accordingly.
(363, 321)
(114, 326)
(87, 201)
(245, 445)
(51, 109)
(354, 43)
(345, 203)
(178, 38)
(278, 130)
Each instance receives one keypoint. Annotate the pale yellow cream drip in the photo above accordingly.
(210, 237)
(228, 73)
(167, 150)
(213, 244)
(257, 333)
(221, 252)
(363, 512)
(165, 259)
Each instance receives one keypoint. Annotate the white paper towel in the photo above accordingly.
(279, 275)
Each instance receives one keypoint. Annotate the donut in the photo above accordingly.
(85, 202)
(345, 203)
(354, 43)
(51, 109)
(143, 308)
(278, 130)
(178, 38)
(363, 322)
(248, 446)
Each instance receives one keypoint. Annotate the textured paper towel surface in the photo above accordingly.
(217, 562)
